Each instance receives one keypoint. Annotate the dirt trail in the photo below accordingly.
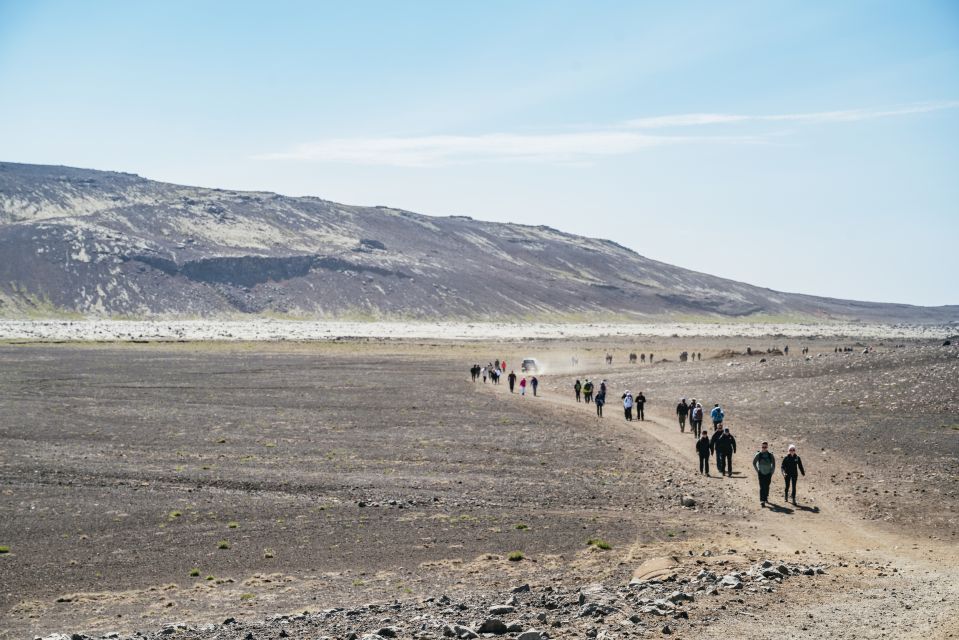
(897, 583)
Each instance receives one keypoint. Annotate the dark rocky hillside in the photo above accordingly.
(114, 244)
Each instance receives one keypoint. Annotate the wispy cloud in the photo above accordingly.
(443, 150)
(567, 147)
(816, 117)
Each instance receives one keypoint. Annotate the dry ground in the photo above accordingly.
(368, 471)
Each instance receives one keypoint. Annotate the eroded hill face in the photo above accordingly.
(94, 242)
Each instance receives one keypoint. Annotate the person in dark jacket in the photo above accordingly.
(534, 383)
(704, 449)
(791, 468)
(764, 463)
(599, 401)
(511, 378)
(577, 388)
(640, 402)
(726, 444)
(682, 410)
(713, 441)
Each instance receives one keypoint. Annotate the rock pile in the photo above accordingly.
(665, 604)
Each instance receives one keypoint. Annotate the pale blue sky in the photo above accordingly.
(804, 146)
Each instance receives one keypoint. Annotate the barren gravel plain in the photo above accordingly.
(367, 488)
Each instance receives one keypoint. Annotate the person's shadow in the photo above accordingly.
(775, 508)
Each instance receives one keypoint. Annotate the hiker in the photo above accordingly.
(704, 448)
(484, 375)
(790, 464)
(650, 358)
(602, 387)
(699, 355)
(764, 463)
(600, 401)
(496, 364)
(587, 391)
(713, 441)
(682, 410)
(511, 378)
(628, 405)
(640, 402)
(786, 350)
(717, 415)
(577, 388)
(697, 418)
(522, 386)
(726, 444)
(642, 358)
(474, 372)
(534, 383)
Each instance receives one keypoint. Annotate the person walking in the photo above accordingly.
(713, 441)
(587, 391)
(577, 388)
(640, 403)
(522, 386)
(791, 467)
(727, 444)
(764, 463)
(484, 375)
(697, 419)
(628, 405)
(511, 378)
(534, 383)
(717, 415)
(682, 410)
(704, 449)
(600, 401)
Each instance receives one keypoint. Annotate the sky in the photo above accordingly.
(808, 146)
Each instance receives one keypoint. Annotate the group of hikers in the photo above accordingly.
(720, 443)
(494, 370)
(588, 392)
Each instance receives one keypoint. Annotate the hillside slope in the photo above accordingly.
(105, 243)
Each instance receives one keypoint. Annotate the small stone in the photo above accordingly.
(493, 625)
(666, 629)
(501, 610)
(532, 634)
(688, 501)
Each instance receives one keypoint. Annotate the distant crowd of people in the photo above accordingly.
(494, 370)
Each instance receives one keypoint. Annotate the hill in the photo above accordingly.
(78, 241)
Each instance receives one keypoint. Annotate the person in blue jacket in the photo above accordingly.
(717, 415)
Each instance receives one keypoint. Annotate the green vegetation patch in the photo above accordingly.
(599, 544)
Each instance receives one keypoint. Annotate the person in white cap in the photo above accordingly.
(628, 405)
(791, 468)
